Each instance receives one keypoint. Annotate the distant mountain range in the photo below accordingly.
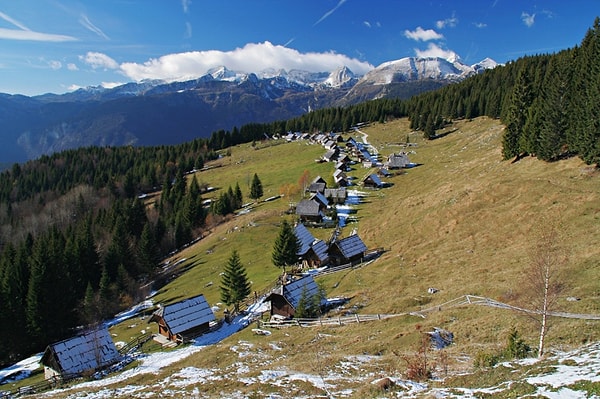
(158, 112)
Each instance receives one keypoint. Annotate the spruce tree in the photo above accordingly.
(235, 286)
(517, 115)
(286, 247)
(256, 189)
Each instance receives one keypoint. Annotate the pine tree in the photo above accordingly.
(235, 286)
(286, 247)
(517, 115)
(256, 189)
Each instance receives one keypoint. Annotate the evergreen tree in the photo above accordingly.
(235, 286)
(256, 189)
(239, 199)
(286, 247)
(517, 115)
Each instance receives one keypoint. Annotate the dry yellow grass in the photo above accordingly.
(461, 221)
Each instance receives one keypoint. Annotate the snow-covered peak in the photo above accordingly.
(340, 77)
(419, 68)
(222, 73)
(486, 63)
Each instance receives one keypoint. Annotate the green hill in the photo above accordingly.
(463, 222)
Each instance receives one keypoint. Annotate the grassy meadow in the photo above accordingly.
(462, 221)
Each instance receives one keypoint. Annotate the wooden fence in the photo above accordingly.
(327, 321)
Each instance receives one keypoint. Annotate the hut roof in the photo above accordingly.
(308, 208)
(89, 351)
(293, 291)
(321, 250)
(185, 315)
(351, 246)
(305, 237)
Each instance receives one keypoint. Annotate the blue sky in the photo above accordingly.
(61, 45)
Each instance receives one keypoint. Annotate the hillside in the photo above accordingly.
(461, 222)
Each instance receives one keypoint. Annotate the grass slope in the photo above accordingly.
(461, 222)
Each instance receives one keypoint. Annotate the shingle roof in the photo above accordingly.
(375, 179)
(316, 187)
(89, 351)
(319, 197)
(186, 314)
(305, 237)
(335, 193)
(321, 250)
(308, 208)
(293, 291)
(351, 246)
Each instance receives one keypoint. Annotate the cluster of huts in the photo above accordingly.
(95, 350)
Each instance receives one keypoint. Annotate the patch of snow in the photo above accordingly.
(20, 370)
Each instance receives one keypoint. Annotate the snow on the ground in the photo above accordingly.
(129, 313)
(20, 370)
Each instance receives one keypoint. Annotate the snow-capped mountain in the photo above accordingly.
(141, 113)
(413, 68)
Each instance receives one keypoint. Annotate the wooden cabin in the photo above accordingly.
(310, 210)
(372, 181)
(398, 161)
(313, 253)
(284, 299)
(85, 353)
(185, 319)
(347, 250)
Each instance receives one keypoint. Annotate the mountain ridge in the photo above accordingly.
(154, 112)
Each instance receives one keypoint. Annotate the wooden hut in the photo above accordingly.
(85, 353)
(347, 250)
(185, 319)
(284, 300)
(372, 181)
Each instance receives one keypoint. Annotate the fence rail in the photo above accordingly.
(327, 321)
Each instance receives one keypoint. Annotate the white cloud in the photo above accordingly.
(253, 57)
(188, 31)
(447, 23)
(111, 85)
(328, 13)
(99, 60)
(55, 65)
(72, 67)
(422, 34)
(528, 19)
(24, 33)
(434, 50)
(186, 5)
(85, 21)
(16, 23)
(367, 24)
(480, 25)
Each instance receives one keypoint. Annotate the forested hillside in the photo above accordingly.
(78, 242)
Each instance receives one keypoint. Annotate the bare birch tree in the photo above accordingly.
(548, 256)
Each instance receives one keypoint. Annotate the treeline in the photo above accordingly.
(549, 103)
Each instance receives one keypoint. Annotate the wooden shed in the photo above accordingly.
(85, 353)
(185, 319)
(310, 210)
(312, 252)
(347, 250)
(284, 300)
(372, 181)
